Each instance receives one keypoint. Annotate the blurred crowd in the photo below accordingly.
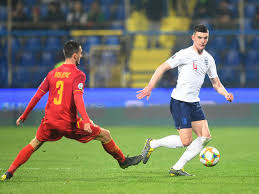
(45, 51)
(224, 14)
(79, 14)
(103, 14)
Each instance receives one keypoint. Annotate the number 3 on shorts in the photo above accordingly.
(60, 85)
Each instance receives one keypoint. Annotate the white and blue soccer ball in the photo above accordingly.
(209, 156)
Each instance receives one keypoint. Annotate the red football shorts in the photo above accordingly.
(47, 132)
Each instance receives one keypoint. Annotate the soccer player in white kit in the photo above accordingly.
(193, 64)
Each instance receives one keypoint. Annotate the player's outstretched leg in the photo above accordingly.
(110, 147)
(171, 141)
(130, 161)
(147, 150)
(116, 152)
(6, 176)
(180, 172)
(20, 159)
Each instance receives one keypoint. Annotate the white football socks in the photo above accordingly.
(192, 150)
(172, 141)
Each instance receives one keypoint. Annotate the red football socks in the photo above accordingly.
(114, 150)
(21, 158)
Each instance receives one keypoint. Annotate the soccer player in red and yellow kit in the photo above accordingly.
(65, 85)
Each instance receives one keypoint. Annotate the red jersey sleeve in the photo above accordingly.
(78, 90)
(80, 106)
(79, 83)
(43, 88)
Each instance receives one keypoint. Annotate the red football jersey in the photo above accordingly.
(62, 83)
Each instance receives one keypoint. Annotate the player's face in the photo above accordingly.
(200, 39)
(78, 56)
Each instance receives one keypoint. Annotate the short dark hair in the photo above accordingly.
(70, 48)
(200, 28)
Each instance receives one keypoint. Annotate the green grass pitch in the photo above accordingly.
(67, 166)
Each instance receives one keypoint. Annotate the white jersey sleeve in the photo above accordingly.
(212, 71)
(175, 60)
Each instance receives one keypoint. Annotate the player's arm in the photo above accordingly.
(217, 85)
(153, 81)
(43, 88)
(78, 90)
(80, 105)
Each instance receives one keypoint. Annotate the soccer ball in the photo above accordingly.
(209, 156)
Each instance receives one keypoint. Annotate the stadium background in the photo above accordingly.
(124, 41)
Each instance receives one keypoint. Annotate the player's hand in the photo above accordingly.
(229, 97)
(87, 127)
(146, 92)
(92, 123)
(19, 120)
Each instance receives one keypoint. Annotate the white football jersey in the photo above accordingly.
(192, 69)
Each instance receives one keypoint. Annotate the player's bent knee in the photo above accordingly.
(186, 142)
(106, 133)
(104, 136)
(35, 143)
